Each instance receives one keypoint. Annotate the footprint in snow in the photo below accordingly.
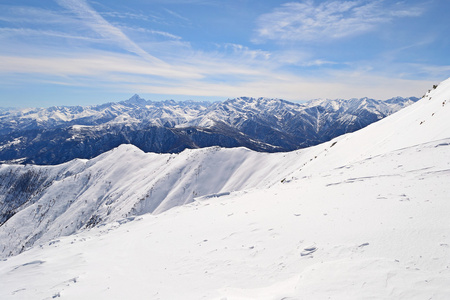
(31, 263)
(308, 251)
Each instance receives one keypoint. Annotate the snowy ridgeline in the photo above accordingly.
(59, 134)
(59, 200)
(362, 216)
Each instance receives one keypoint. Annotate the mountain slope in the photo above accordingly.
(59, 134)
(417, 124)
(362, 216)
(121, 183)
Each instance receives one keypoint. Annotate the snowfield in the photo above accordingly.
(364, 216)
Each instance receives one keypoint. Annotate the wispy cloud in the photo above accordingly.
(307, 21)
(151, 31)
(177, 15)
(127, 15)
(245, 52)
(15, 32)
(294, 87)
(97, 23)
(31, 15)
(433, 71)
(299, 58)
(207, 76)
(91, 65)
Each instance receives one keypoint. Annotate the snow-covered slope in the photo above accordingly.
(376, 229)
(420, 123)
(364, 216)
(46, 202)
(59, 134)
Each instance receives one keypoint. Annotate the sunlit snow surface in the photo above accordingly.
(365, 216)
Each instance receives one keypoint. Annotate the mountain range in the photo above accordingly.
(59, 134)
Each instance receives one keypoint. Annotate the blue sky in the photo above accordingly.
(80, 52)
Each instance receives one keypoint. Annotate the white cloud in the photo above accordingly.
(245, 52)
(206, 76)
(91, 66)
(294, 88)
(151, 31)
(127, 15)
(433, 71)
(25, 14)
(308, 21)
(97, 23)
(299, 58)
(176, 15)
(15, 32)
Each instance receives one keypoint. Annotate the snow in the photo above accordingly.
(416, 124)
(127, 181)
(364, 216)
(80, 127)
(9, 144)
(377, 233)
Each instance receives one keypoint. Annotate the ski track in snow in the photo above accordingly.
(364, 216)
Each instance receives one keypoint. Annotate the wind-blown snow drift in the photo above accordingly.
(362, 216)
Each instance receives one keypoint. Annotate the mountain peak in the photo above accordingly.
(136, 99)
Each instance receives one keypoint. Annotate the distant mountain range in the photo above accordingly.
(59, 134)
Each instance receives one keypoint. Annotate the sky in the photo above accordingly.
(86, 52)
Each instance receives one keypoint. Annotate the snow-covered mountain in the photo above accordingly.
(362, 216)
(58, 134)
(124, 182)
